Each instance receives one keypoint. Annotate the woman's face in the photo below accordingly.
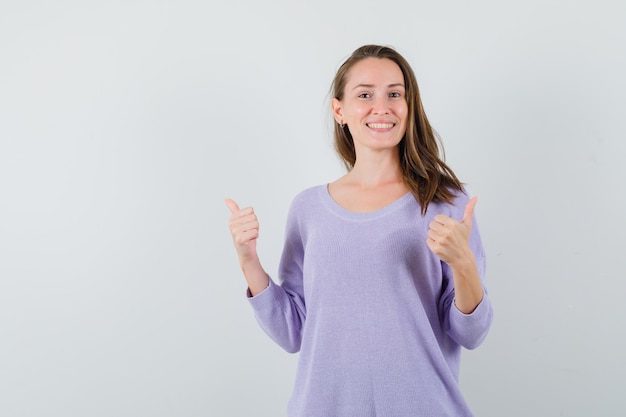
(374, 104)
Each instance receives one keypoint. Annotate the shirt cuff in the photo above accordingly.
(269, 284)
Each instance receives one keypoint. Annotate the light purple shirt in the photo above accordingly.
(371, 310)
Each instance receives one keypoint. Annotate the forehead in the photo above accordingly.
(375, 71)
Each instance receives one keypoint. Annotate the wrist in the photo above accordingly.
(464, 265)
(249, 262)
(255, 275)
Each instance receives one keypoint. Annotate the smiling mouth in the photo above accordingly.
(380, 125)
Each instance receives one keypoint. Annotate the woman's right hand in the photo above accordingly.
(244, 228)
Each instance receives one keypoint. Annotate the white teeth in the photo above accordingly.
(380, 125)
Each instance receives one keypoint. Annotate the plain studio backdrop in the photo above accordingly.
(125, 124)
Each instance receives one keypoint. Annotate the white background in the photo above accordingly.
(125, 124)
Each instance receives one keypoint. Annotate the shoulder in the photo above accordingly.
(308, 195)
(305, 208)
(307, 199)
(454, 209)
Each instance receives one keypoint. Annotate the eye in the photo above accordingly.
(364, 95)
(395, 95)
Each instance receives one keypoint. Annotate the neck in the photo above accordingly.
(375, 169)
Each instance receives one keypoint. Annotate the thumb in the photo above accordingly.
(232, 206)
(469, 211)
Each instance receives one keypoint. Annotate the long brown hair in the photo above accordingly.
(421, 152)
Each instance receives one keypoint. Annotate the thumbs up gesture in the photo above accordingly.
(449, 239)
(244, 228)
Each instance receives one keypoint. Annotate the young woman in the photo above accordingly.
(381, 272)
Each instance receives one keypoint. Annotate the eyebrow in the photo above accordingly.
(372, 86)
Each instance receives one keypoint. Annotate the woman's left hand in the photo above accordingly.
(449, 239)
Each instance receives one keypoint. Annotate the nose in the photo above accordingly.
(380, 105)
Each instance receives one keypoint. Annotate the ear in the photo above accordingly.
(337, 110)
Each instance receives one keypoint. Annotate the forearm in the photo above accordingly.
(468, 287)
(255, 275)
(281, 314)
